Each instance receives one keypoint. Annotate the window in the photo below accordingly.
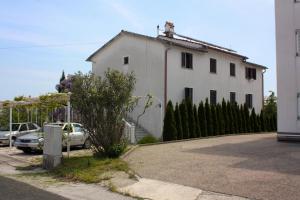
(298, 41)
(31, 126)
(232, 69)
(187, 60)
(232, 97)
(213, 65)
(250, 73)
(23, 127)
(188, 93)
(249, 101)
(126, 60)
(213, 97)
(77, 128)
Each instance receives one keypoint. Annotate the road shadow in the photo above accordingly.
(264, 154)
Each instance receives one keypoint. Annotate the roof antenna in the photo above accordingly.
(157, 29)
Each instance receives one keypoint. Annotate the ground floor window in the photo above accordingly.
(232, 97)
(249, 100)
(188, 93)
(213, 97)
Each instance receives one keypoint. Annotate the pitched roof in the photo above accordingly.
(181, 41)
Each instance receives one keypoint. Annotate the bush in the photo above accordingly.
(184, 120)
(169, 130)
(148, 139)
(116, 150)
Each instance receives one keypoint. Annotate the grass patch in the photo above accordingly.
(148, 139)
(88, 169)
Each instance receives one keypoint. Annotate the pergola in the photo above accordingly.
(50, 99)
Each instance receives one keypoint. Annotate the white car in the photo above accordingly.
(35, 141)
(18, 129)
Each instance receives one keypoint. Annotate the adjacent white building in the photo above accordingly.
(288, 67)
(173, 67)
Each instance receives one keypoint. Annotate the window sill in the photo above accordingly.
(187, 68)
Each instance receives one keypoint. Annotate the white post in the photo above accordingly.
(69, 125)
(36, 115)
(10, 126)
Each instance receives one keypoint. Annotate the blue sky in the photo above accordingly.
(40, 38)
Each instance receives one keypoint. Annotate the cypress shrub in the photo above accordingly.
(169, 130)
(214, 120)
(239, 120)
(208, 118)
(202, 119)
(243, 120)
(197, 124)
(191, 119)
(247, 119)
(220, 117)
(230, 119)
(262, 122)
(236, 118)
(178, 122)
(258, 123)
(254, 126)
(225, 116)
(184, 120)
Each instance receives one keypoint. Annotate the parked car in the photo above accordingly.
(18, 129)
(35, 141)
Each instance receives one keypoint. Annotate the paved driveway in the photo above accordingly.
(254, 166)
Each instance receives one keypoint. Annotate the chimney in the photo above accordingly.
(169, 29)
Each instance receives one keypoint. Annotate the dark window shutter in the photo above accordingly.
(191, 61)
(254, 74)
(183, 59)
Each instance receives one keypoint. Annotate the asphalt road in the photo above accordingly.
(14, 190)
(253, 166)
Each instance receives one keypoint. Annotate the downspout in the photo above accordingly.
(263, 88)
(166, 78)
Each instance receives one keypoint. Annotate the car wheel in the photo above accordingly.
(87, 144)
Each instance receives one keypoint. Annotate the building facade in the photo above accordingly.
(288, 67)
(173, 67)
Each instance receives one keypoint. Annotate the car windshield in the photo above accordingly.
(15, 127)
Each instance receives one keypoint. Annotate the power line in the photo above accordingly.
(49, 45)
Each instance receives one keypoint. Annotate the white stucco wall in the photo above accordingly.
(146, 59)
(288, 72)
(202, 81)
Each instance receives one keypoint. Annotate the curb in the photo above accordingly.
(203, 138)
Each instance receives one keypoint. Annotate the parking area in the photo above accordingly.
(253, 166)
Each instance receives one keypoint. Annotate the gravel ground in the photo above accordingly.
(253, 166)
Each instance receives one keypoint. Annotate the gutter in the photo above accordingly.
(263, 88)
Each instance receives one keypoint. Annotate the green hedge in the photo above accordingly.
(192, 121)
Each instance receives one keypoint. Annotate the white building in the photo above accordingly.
(172, 67)
(288, 67)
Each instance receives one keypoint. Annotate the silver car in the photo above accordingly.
(18, 129)
(35, 141)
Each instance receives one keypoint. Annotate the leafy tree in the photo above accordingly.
(197, 124)
(169, 130)
(184, 120)
(178, 122)
(191, 119)
(202, 119)
(102, 103)
(270, 107)
(208, 118)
